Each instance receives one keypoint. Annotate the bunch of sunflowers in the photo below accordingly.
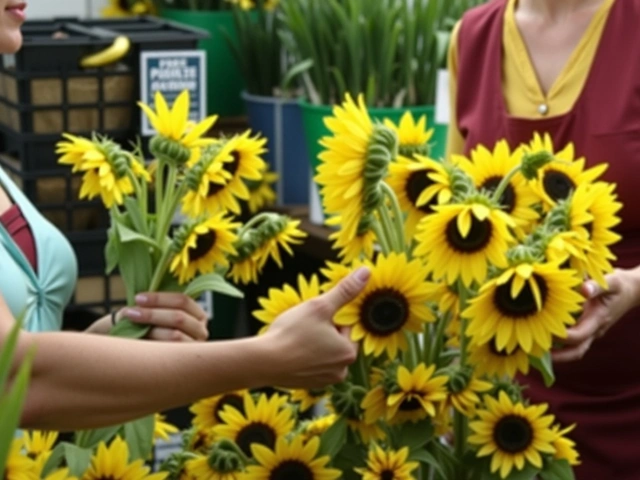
(476, 268)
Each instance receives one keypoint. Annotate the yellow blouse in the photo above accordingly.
(522, 93)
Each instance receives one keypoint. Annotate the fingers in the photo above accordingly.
(168, 319)
(585, 328)
(172, 300)
(573, 353)
(591, 289)
(345, 291)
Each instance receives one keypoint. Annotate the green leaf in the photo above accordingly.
(349, 457)
(136, 268)
(415, 435)
(112, 251)
(557, 470)
(545, 367)
(139, 436)
(211, 282)
(77, 459)
(529, 472)
(136, 217)
(55, 460)
(91, 438)
(125, 328)
(127, 235)
(425, 457)
(332, 441)
(294, 71)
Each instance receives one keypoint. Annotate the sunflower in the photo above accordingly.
(38, 446)
(388, 465)
(113, 463)
(512, 434)
(341, 173)
(488, 168)
(200, 468)
(413, 137)
(525, 306)
(308, 398)
(261, 194)
(261, 423)
(162, 429)
(418, 185)
(281, 233)
(464, 397)
(392, 303)
(127, 8)
(290, 459)
(317, 426)
(334, 273)
(173, 124)
(489, 360)
(76, 150)
(565, 447)
(269, 5)
(368, 432)
(207, 179)
(351, 248)
(279, 301)
(460, 241)
(207, 411)
(19, 466)
(556, 180)
(60, 474)
(206, 247)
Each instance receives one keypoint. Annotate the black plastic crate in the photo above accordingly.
(97, 293)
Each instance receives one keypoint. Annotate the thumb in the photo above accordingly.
(591, 289)
(346, 290)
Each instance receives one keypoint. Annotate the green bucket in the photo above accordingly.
(224, 80)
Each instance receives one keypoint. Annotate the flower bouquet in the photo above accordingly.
(476, 265)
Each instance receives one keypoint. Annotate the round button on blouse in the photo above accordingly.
(543, 109)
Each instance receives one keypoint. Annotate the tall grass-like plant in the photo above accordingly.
(12, 394)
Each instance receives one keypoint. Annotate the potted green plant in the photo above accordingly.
(224, 79)
(270, 97)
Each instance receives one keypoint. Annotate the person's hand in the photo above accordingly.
(173, 316)
(602, 309)
(309, 351)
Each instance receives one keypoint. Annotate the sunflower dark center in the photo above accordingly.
(508, 197)
(384, 311)
(203, 245)
(259, 433)
(557, 185)
(234, 401)
(589, 228)
(387, 475)
(410, 404)
(292, 470)
(232, 166)
(416, 184)
(513, 434)
(524, 304)
(477, 238)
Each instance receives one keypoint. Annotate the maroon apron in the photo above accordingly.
(601, 392)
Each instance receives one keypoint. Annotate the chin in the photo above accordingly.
(10, 43)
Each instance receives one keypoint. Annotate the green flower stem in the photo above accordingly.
(428, 345)
(398, 216)
(141, 195)
(461, 432)
(438, 339)
(416, 354)
(361, 371)
(161, 269)
(376, 226)
(254, 221)
(463, 295)
(389, 229)
(159, 193)
(502, 186)
(166, 215)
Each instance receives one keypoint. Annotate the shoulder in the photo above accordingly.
(480, 17)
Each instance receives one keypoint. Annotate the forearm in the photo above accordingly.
(136, 377)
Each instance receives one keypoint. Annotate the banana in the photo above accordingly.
(114, 52)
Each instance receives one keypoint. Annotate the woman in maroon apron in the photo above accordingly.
(598, 374)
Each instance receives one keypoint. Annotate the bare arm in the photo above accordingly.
(85, 381)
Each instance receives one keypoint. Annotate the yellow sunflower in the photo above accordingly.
(488, 360)
(460, 241)
(317, 426)
(269, 5)
(351, 248)
(279, 301)
(174, 123)
(343, 163)
(162, 429)
(388, 465)
(556, 180)
(368, 432)
(419, 185)
(413, 137)
(279, 234)
(392, 303)
(207, 411)
(38, 446)
(76, 150)
(112, 462)
(261, 423)
(308, 398)
(464, 396)
(19, 466)
(525, 306)
(290, 459)
(565, 447)
(207, 179)
(200, 468)
(512, 434)
(127, 8)
(208, 245)
(261, 193)
(60, 474)
(488, 168)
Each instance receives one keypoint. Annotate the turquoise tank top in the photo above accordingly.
(40, 298)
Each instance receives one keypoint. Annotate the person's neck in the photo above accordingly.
(555, 9)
